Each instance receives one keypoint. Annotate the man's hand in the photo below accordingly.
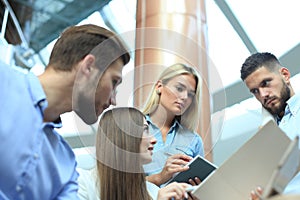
(255, 194)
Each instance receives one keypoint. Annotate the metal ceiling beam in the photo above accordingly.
(43, 10)
(238, 91)
(236, 25)
(71, 14)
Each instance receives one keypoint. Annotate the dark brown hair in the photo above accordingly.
(78, 41)
(257, 60)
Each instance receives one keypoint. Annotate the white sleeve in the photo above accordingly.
(86, 185)
(152, 189)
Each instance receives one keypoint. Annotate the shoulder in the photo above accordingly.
(294, 102)
(11, 77)
(293, 107)
(8, 71)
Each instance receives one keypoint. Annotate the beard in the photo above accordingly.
(285, 95)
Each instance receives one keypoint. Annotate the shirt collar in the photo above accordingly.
(39, 97)
(37, 93)
(293, 105)
(57, 123)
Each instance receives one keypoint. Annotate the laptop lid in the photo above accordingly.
(250, 166)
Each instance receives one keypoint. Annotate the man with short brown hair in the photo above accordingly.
(84, 70)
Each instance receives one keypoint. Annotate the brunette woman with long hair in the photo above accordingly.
(123, 145)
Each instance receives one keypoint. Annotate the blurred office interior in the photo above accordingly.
(230, 29)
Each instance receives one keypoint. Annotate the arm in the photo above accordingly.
(69, 191)
(175, 163)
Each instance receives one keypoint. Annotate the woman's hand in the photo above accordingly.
(173, 191)
(174, 164)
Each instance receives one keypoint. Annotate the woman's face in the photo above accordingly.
(146, 146)
(178, 93)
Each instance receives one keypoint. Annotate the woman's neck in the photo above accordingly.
(161, 118)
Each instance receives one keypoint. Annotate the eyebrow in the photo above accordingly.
(186, 87)
(260, 84)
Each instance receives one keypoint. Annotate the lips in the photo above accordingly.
(269, 101)
(180, 104)
(150, 148)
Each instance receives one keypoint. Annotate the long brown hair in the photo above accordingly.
(121, 176)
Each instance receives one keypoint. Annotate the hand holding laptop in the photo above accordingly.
(256, 194)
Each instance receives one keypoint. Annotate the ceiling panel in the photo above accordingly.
(43, 20)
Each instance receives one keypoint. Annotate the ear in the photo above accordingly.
(87, 64)
(285, 73)
(158, 86)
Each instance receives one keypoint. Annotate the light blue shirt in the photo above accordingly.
(290, 124)
(35, 163)
(179, 140)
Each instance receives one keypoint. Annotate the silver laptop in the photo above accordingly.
(256, 163)
(286, 169)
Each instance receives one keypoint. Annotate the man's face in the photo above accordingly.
(270, 89)
(106, 89)
(98, 93)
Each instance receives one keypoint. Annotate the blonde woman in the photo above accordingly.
(123, 145)
(172, 111)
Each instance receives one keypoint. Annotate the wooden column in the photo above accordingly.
(171, 31)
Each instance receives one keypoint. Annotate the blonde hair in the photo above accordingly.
(189, 118)
(119, 169)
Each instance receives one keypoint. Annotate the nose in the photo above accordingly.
(263, 92)
(184, 94)
(153, 140)
(113, 100)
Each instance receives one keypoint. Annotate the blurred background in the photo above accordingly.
(227, 30)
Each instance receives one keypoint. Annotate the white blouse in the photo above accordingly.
(88, 190)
